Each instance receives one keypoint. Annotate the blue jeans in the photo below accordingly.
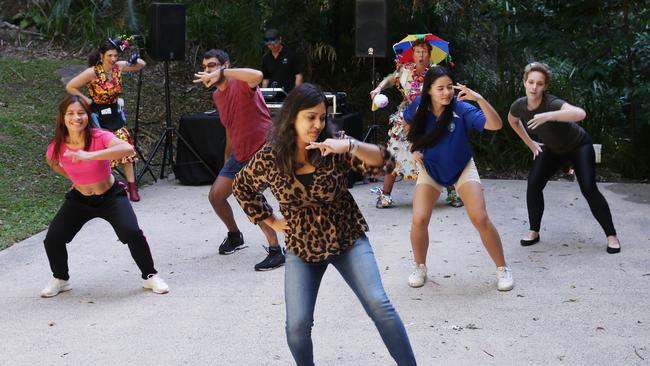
(232, 167)
(359, 269)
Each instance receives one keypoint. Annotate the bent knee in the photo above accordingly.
(298, 327)
(217, 197)
(589, 191)
(480, 220)
(132, 236)
(56, 237)
(420, 221)
(379, 306)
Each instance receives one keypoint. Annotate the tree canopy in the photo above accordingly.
(599, 52)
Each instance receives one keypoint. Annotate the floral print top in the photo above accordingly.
(323, 219)
(103, 90)
(409, 83)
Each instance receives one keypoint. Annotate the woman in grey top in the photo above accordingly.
(555, 122)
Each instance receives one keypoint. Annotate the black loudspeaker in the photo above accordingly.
(166, 40)
(370, 28)
(352, 124)
(207, 136)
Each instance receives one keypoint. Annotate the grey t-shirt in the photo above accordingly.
(559, 137)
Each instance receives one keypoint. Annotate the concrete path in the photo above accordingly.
(573, 303)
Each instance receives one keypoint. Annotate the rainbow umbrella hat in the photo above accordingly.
(404, 48)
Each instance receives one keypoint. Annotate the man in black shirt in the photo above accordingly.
(281, 66)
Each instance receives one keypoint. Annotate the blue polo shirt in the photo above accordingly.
(446, 160)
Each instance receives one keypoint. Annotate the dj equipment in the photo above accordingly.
(274, 98)
(335, 103)
(370, 39)
(206, 135)
(273, 95)
(370, 28)
(166, 32)
(167, 43)
(352, 124)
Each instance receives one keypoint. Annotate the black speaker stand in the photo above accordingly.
(371, 133)
(167, 137)
(136, 128)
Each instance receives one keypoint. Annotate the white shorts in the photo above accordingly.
(469, 174)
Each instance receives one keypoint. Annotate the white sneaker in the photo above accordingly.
(55, 286)
(505, 282)
(419, 276)
(156, 284)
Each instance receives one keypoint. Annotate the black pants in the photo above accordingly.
(112, 206)
(584, 164)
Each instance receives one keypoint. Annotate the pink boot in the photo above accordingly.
(133, 192)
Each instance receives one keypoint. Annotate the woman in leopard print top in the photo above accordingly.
(307, 173)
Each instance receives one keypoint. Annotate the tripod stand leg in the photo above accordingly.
(162, 139)
(146, 169)
(372, 133)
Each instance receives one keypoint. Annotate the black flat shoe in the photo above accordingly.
(525, 243)
(611, 250)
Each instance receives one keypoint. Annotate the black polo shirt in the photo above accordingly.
(281, 71)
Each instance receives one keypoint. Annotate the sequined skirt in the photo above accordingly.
(123, 134)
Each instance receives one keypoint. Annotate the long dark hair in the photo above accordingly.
(61, 131)
(417, 134)
(95, 57)
(283, 135)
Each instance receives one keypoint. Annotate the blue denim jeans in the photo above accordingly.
(359, 269)
(231, 167)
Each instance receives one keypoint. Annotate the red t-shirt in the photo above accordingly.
(243, 113)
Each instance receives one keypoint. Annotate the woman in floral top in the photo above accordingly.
(307, 173)
(103, 80)
(408, 79)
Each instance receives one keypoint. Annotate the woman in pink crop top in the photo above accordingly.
(82, 154)
(103, 80)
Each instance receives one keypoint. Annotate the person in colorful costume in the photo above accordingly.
(408, 78)
(103, 80)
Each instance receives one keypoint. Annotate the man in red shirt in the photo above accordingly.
(246, 118)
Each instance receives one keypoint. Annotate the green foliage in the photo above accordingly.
(600, 52)
(30, 192)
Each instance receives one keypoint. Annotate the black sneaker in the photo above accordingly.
(233, 242)
(273, 260)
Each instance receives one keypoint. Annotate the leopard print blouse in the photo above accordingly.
(323, 220)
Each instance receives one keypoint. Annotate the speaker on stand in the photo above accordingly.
(166, 43)
(370, 41)
(352, 124)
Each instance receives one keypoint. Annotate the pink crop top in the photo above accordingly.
(88, 171)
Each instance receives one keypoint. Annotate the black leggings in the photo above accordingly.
(112, 206)
(584, 164)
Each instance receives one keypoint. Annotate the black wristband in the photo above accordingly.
(221, 75)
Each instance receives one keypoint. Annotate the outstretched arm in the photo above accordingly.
(128, 67)
(79, 81)
(251, 77)
(298, 80)
(117, 149)
(57, 168)
(364, 158)
(516, 125)
(492, 119)
(384, 84)
(567, 113)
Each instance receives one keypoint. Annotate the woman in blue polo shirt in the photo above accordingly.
(439, 130)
